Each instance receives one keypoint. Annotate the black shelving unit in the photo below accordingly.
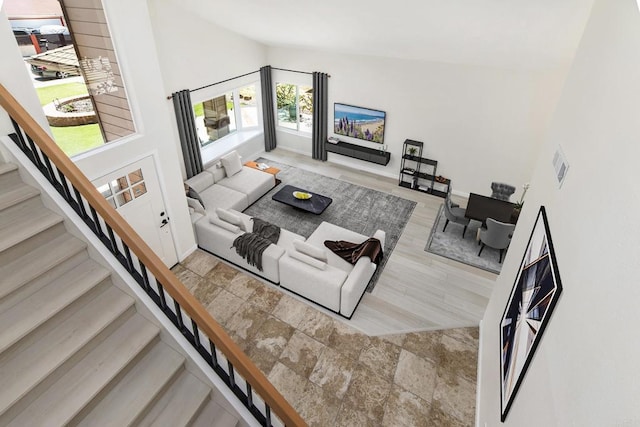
(419, 173)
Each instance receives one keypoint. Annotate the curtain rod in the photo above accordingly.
(244, 75)
(217, 83)
(294, 71)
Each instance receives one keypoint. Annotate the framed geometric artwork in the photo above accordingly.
(533, 297)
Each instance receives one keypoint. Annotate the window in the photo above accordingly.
(124, 189)
(82, 119)
(295, 106)
(218, 117)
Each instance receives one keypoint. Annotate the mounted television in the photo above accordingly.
(359, 122)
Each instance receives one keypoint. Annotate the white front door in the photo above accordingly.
(134, 191)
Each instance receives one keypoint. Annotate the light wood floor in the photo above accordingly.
(416, 290)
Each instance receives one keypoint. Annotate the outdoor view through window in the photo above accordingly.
(295, 106)
(84, 110)
(217, 117)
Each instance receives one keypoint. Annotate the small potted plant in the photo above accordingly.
(517, 207)
(412, 151)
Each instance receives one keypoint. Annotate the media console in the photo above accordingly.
(359, 152)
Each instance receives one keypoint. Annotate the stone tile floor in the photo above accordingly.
(332, 374)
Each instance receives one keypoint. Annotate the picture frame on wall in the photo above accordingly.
(534, 296)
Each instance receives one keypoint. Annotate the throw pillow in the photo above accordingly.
(190, 192)
(223, 224)
(231, 218)
(308, 260)
(310, 250)
(231, 163)
(196, 205)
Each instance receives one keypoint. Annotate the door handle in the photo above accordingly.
(164, 222)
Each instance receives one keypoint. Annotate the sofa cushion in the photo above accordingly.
(219, 195)
(195, 205)
(230, 218)
(223, 224)
(312, 251)
(313, 262)
(217, 171)
(231, 163)
(252, 182)
(200, 182)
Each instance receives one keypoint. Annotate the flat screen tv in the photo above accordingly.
(359, 122)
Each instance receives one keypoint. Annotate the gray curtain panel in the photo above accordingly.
(187, 131)
(268, 115)
(320, 124)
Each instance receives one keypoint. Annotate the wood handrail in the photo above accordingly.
(154, 264)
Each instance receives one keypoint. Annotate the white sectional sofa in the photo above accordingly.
(228, 185)
(219, 239)
(326, 278)
(306, 268)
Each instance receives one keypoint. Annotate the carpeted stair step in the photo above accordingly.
(87, 380)
(52, 258)
(130, 399)
(180, 404)
(9, 175)
(29, 367)
(38, 308)
(214, 415)
(11, 196)
(25, 220)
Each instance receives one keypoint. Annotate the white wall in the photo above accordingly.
(585, 371)
(193, 52)
(482, 124)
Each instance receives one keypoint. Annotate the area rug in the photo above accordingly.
(354, 207)
(450, 244)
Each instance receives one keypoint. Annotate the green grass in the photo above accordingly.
(77, 139)
(72, 140)
(49, 93)
(199, 110)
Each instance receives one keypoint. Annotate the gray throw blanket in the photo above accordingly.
(266, 230)
(250, 246)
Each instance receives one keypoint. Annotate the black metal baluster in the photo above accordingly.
(232, 379)
(196, 334)
(97, 227)
(214, 356)
(163, 300)
(21, 144)
(127, 253)
(112, 240)
(145, 277)
(267, 416)
(36, 156)
(65, 186)
(178, 315)
(249, 396)
(83, 211)
(51, 177)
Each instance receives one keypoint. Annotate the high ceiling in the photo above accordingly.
(506, 33)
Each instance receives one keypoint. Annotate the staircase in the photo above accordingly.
(73, 348)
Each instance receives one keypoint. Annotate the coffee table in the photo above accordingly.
(316, 204)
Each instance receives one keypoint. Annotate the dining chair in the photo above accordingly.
(454, 213)
(497, 235)
(502, 191)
